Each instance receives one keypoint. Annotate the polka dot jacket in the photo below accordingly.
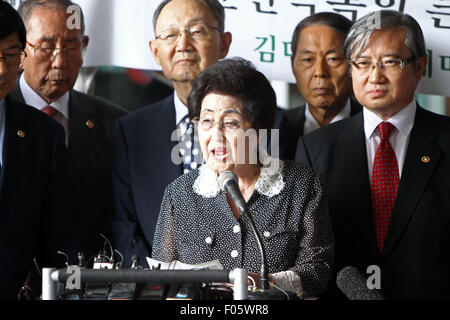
(288, 205)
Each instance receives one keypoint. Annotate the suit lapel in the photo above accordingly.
(163, 146)
(415, 176)
(301, 121)
(16, 94)
(355, 107)
(82, 128)
(16, 144)
(350, 193)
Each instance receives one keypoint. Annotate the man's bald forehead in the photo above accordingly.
(216, 8)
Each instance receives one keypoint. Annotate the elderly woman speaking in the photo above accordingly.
(286, 200)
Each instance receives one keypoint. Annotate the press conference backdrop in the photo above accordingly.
(120, 31)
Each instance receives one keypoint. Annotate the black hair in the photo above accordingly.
(330, 19)
(238, 78)
(11, 22)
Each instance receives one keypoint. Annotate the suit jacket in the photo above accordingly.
(291, 124)
(415, 261)
(143, 168)
(90, 163)
(36, 219)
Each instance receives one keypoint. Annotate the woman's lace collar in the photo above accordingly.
(270, 181)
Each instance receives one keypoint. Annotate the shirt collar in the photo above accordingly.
(181, 109)
(343, 114)
(33, 99)
(402, 120)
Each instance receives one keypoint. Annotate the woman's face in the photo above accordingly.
(224, 135)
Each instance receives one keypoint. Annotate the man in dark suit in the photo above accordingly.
(35, 216)
(54, 58)
(189, 37)
(321, 73)
(387, 168)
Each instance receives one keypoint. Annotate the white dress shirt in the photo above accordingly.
(399, 139)
(181, 110)
(311, 123)
(33, 99)
(61, 104)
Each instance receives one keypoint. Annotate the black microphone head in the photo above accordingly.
(226, 176)
(354, 285)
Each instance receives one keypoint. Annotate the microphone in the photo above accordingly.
(354, 285)
(228, 182)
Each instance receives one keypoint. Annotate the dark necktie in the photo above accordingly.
(189, 150)
(384, 185)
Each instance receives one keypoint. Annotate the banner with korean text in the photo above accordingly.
(120, 30)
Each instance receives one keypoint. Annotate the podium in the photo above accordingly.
(51, 276)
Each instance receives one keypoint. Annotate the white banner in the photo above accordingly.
(120, 30)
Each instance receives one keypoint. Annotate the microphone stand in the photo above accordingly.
(228, 182)
(265, 293)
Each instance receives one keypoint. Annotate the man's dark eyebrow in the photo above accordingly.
(14, 46)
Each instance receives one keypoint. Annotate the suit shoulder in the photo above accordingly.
(100, 105)
(29, 118)
(147, 113)
(35, 116)
(293, 113)
(330, 132)
(442, 121)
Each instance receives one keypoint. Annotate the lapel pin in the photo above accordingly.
(21, 134)
(90, 124)
(425, 159)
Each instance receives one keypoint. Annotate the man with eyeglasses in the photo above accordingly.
(388, 167)
(322, 75)
(35, 216)
(155, 145)
(54, 52)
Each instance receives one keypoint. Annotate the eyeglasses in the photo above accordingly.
(44, 52)
(207, 124)
(197, 32)
(391, 66)
(12, 57)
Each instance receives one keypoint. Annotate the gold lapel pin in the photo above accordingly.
(425, 159)
(90, 124)
(20, 133)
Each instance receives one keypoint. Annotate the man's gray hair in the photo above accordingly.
(362, 29)
(26, 9)
(216, 7)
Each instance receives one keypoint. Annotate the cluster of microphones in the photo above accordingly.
(349, 280)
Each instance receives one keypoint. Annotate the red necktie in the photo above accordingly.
(384, 186)
(49, 110)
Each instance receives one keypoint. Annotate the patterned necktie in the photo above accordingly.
(189, 150)
(385, 180)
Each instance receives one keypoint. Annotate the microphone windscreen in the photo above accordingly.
(354, 285)
(226, 176)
